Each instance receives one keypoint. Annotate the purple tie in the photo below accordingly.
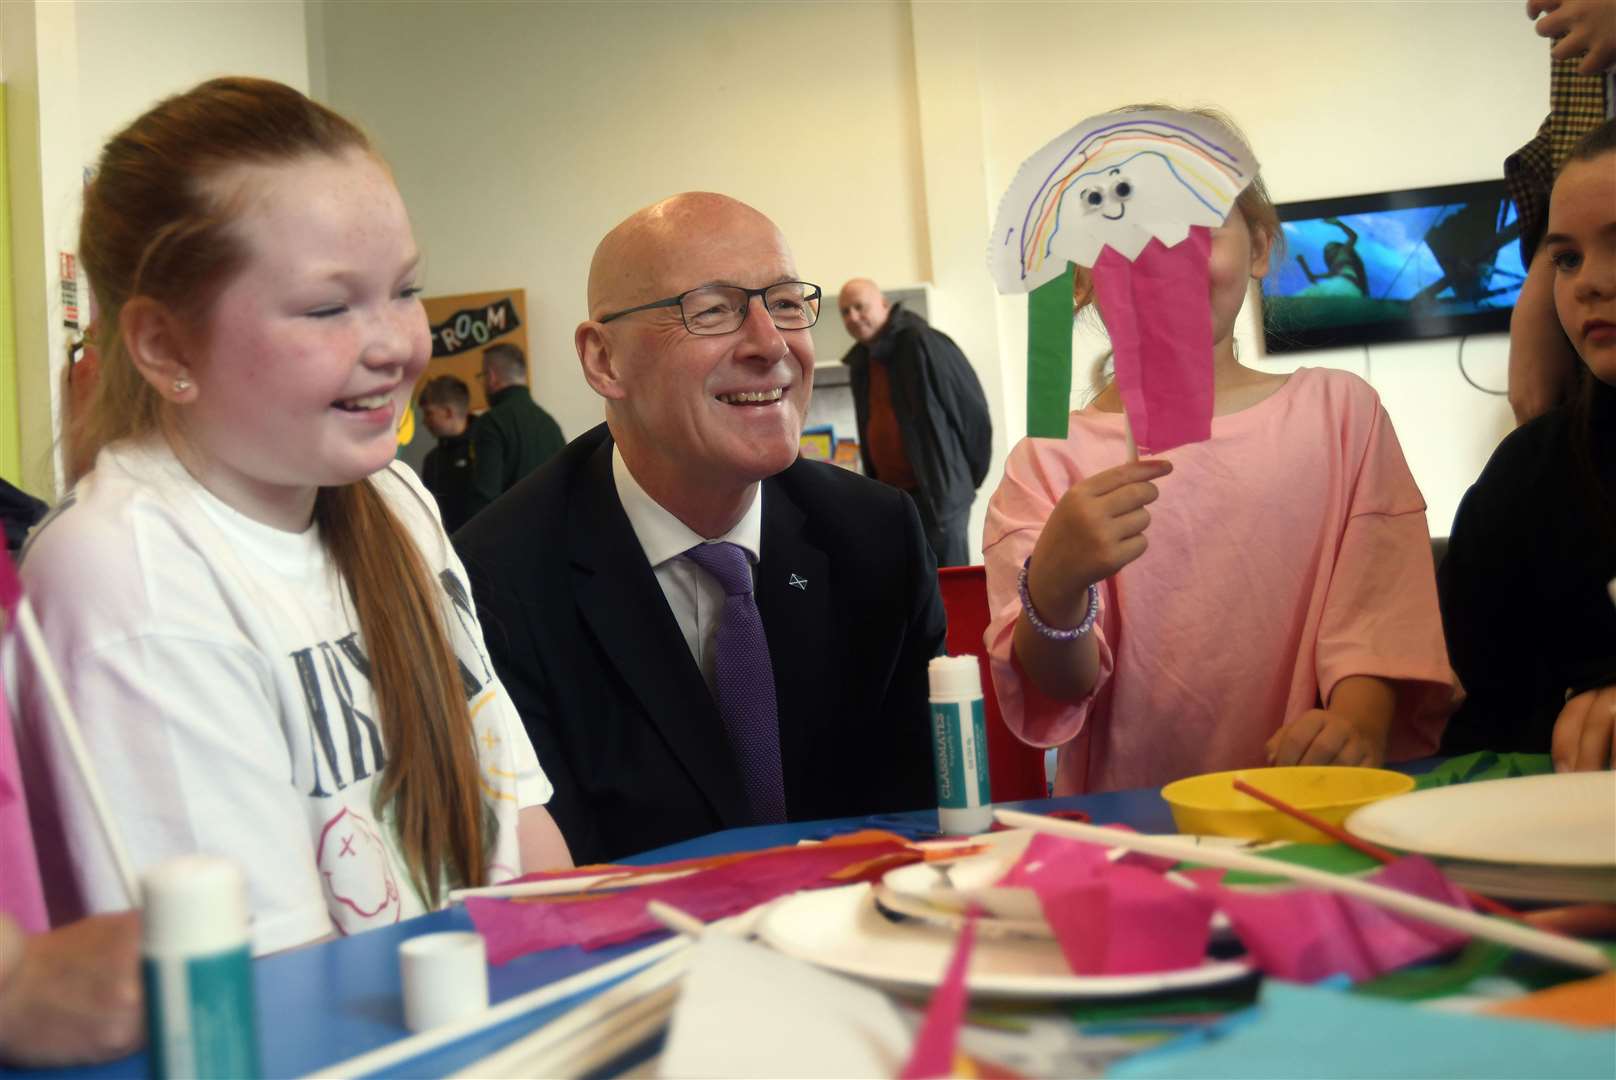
(746, 681)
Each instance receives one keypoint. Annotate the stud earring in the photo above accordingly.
(181, 385)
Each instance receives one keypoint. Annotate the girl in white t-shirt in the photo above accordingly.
(259, 618)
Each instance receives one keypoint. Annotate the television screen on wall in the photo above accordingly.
(1400, 265)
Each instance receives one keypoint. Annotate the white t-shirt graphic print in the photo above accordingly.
(217, 668)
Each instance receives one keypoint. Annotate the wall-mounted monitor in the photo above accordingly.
(1422, 263)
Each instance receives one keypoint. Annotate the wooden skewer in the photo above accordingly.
(389, 1057)
(596, 1032)
(601, 883)
(676, 919)
(600, 1030)
(1374, 851)
(1524, 938)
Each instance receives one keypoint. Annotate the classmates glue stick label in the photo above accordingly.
(960, 745)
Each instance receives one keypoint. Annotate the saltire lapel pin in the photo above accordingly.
(797, 582)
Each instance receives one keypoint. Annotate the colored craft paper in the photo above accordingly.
(938, 1040)
(1306, 1031)
(10, 583)
(1305, 934)
(1584, 1003)
(1049, 358)
(1112, 918)
(1117, 184)
(20, 894)
(1484, 765)
(1156, 310)
(516, 927)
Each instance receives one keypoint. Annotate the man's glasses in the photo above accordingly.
(721, 309)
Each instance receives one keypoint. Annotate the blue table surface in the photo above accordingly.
(326, 1003)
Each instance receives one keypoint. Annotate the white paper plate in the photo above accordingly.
(1563, 819)
(840, 929)
(942, 891)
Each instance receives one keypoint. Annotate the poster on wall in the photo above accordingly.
(462, 327)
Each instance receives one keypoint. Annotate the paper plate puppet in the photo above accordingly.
(1132, 196)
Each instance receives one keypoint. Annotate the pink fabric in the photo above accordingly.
(1288, 551)
(1306, 934)
(516, 927)
(1157, 313)
(20, 895)
(1113, 918)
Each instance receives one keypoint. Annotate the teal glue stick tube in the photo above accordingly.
(200, 1018)
(960, 745)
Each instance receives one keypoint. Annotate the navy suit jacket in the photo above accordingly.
(585, 643)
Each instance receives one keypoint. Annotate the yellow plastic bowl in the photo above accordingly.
(1208, 805)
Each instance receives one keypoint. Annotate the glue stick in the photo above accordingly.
(197, 967)
(960, 745)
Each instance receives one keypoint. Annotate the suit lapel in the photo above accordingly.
(793, 590)
(618, 595)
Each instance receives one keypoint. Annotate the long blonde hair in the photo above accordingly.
(152, 229)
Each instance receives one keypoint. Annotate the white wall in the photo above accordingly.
(79, 72)
(132, 53)
(521, 132)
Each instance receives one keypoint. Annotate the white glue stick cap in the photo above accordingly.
(954, 676)
(193, 904)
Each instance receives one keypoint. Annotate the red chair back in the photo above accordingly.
(1015, 769)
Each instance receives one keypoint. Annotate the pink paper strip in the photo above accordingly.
(516, 927)
(1109, 918)
(1306, 935)
(20, 893)
(1159, 316)
(10, 583)
(938, 1038)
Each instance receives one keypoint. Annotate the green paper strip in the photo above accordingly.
(1484, 765)
(1049, 357)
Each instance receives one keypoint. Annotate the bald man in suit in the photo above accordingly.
(605, 627)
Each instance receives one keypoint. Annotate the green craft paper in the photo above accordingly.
(1049, 357)
(1484, 765)
(1333, 857)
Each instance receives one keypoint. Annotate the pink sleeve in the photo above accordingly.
(1380, 614)
(20, 895)
(1036, 475)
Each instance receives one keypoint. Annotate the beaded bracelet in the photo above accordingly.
(1043, 628)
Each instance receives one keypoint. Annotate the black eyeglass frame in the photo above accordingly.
(678, 301)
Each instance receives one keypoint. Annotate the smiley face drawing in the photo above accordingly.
(361, 891)
(1118, 180)
(1114, 193)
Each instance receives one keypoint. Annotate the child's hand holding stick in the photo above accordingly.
(1096, 529)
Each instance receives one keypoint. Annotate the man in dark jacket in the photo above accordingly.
(514, 436)
(446, 471)
(922, 418)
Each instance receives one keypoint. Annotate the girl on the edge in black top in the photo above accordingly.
(1525, 592)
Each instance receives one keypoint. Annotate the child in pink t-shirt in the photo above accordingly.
(1285, 612)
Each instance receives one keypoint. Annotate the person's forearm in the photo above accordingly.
(540, 840)
(1062, 670)
(1370, 702)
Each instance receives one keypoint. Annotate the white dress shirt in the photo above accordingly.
(695, 596)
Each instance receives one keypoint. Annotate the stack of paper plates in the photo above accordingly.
(1527, 838)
